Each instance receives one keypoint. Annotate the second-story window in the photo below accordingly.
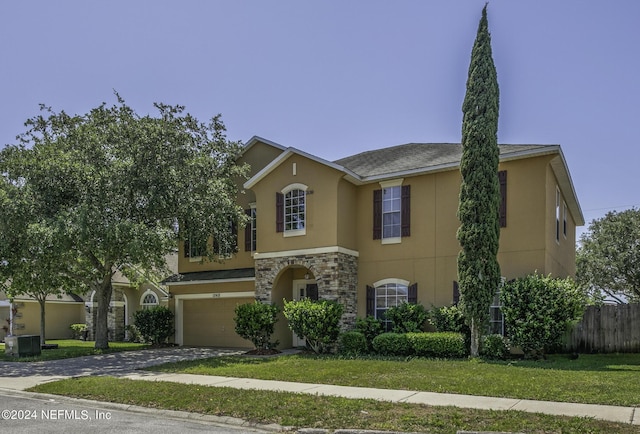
(294, 210)
(291, 210)
(391, 212)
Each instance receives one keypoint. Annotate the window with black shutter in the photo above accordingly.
(502, 178)
(279, 212)
(392, 212)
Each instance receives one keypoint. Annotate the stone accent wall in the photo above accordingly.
(115, 319)
(336, 274)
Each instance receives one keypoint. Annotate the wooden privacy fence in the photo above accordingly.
(607, 329)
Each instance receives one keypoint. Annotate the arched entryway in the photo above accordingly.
(294, 282)
(333, 269)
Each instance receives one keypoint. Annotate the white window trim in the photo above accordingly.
(147, 292)
(557, 215)
(391, 280)
(295, 232)
(564, 219)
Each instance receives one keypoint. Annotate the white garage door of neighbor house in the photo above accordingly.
(210, 323)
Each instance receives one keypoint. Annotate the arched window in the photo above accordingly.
(389, 293)
(291, 206)
(148, 300)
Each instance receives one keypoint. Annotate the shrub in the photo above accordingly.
(392, 344)
(352, 343)
(77, 330)
(494, 347)
(318, 322)
(133, 335)
(439, 344)
(447, 319)
(255, 322)
(370, 327)
(407, 317)
(155, 325)
(538, 310)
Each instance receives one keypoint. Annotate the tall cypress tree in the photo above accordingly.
(478, 209)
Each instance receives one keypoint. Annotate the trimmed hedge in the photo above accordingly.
(439, 344)
(352, 343)
(392, 344)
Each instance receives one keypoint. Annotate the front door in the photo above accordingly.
(300, 291)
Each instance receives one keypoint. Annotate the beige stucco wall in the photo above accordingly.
(321, 205)
(58, 318)
(429, 255)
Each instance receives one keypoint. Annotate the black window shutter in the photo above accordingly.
(456, 293)
(279, 212)
(412, 297)
(187, 248)
(377, 214)
(502, 177)
(312, 291)
(405, 211)
(247, 231)
(371, 301)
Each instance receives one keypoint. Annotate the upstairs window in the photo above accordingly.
(564, 219)
(391, 212)
(557, 214)
(225, 248)
(194, 247)
(251, 230)
(291, 210)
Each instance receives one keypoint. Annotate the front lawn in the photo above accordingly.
(68, 348)
(301, 410)
(594, 379)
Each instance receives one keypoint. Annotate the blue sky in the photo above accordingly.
(337, 77)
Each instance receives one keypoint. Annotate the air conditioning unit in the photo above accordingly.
(22, 346)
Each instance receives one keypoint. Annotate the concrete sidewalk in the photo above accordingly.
(604, 412)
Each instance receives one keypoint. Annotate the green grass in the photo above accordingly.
(594, 379)
(300, 410)
(68, 348)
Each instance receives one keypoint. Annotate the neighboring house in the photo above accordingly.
(126, 299)
(370, 231)
(60, 313)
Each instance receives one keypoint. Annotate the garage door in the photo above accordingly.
(209, 323)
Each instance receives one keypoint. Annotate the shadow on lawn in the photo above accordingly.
(584, 362)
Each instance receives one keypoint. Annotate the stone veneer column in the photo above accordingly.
(336, 274)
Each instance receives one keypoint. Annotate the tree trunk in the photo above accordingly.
(42, 337)
(103, 296)
(475, 338)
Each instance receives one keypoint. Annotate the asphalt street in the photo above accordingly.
(31, 413)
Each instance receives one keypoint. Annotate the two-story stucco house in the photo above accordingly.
(370, 230)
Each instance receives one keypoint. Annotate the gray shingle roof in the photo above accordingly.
(417, 156)
(238, 273)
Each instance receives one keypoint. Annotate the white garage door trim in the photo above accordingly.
(179, 307)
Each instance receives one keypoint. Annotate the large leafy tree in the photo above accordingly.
(479, 231)
(30, 251)
(608, 259)
(117, 188)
